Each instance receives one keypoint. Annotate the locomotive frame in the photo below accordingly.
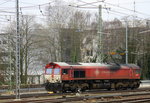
(62, 77)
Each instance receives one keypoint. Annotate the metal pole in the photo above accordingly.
(9, 48)
(17, 52)
(126, 42)
(99, 32)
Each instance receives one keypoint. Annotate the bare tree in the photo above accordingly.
(57, 18)
(26, 44)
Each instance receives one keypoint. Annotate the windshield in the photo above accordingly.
(57, 71)
(49, 71)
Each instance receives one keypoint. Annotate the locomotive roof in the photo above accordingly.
(79, 64)
(95, 64)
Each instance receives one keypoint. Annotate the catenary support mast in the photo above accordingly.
(17, 52)
(99, 32)
(126, 42)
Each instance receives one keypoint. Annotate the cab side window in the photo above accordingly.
(65, 71)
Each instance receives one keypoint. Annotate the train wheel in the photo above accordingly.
(78, 90)
(84, 87)
(75, 88)
(137, 85)
(119, 86)
(108, 89)
(57, 91)
(47, 87)
(64, 91)
(125, 88)
(133, 87)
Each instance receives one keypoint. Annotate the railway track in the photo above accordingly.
(37, 92)
(94, 92)
(138, 97)
(91, 96)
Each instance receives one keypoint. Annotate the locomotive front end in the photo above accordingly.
(53, 75)
(52, 78)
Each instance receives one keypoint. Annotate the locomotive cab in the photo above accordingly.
(65, 74)
(52, 77)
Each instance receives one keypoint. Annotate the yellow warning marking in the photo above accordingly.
(50, 92)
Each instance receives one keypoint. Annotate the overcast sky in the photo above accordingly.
(118, 8)
(142, 6)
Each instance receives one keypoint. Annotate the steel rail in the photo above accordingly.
(36, 94)
(100, 99)
(65, 98)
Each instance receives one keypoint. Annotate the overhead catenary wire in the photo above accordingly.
(5, 2)
(4, 19)
(118, 12)
(92, 3)
(49, 3)
(138, 12)
(78, 6)
(103, 1)
(108, 9)
(26, 7)
(137, 2)
(3, 11)
(37, 5)
(85, 3)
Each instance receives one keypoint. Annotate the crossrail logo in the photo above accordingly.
(97, 72)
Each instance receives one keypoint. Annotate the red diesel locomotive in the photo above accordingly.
(61, 76)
